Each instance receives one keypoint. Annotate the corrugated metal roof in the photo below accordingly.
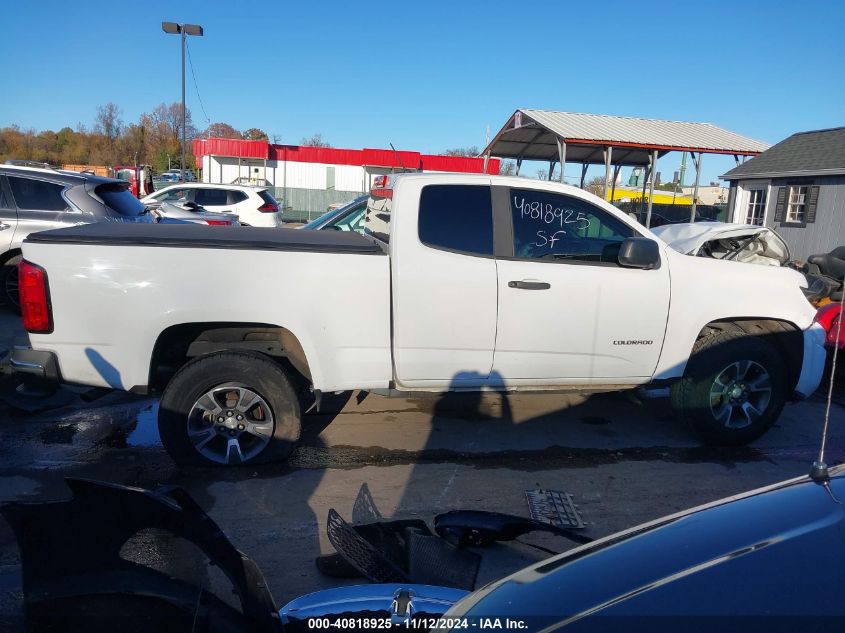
(532, 134)
(818, 152)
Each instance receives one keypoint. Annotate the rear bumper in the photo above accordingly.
(814, 358)
(34, 363)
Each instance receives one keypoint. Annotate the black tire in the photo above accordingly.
(9, 283)
(224, 374)
(737, 409)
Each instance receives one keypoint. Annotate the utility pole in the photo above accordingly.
(183, 30)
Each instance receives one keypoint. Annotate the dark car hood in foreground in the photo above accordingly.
(775, 554)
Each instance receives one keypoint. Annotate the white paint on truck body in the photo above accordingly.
(455, 321)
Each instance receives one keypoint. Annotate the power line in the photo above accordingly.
(191, 62)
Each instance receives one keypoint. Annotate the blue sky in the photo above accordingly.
(433, 75)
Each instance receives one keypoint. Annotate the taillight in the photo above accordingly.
(381, 188)
(268, 207)
(828, 316)
(34, 298)
(219, 223)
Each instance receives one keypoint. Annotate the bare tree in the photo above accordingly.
(108, 122)
(595, 186)
(507, 168)
(316, 140)
(463, 151)
(171, 117)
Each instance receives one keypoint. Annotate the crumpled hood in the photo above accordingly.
(688, 238)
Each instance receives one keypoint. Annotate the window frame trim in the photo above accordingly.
(795, 224)
(747, 189)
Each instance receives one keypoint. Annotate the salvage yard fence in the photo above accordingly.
(303, 205)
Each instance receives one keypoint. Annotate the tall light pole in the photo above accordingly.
(182, 29)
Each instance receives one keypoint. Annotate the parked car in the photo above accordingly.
(37, 198)
(348, 217)
(461, 282)
(764, 560)
(173, 212)
(175, 175)
(139, 177)
(254, 206)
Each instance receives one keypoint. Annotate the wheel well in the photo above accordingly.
(9, 255)
(180, 343)
(784, 336)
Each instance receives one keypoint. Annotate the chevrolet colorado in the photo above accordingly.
(460, 282)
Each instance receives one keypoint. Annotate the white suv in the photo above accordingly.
(254, 206)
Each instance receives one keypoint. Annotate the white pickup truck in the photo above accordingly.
(460, 282)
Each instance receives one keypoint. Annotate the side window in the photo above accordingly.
(173, 196)
(554, 226)
(211, 197)
(236, 196)
(5, 198)
(37, 195)
(457, 218)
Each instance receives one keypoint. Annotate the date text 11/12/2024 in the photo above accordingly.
(419, 624)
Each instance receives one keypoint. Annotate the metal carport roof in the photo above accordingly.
(534, 135)
(592, 139)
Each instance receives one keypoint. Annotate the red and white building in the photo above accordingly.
(229, 161)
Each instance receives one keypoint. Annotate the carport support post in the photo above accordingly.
(652, 170)
(697, 162)
(616, 170)
(561, 156)
(608, 157)
(584, 167)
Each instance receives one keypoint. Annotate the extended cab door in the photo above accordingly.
(444, 281)
(567, 310)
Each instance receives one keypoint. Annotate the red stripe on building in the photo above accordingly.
(400, 159)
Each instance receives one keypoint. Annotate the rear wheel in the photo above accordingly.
(733, 390)
(9, 296)
(229, 408)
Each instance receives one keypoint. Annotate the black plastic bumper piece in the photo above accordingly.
(35, 363)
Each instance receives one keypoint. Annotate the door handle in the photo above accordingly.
(529, 285)
(3, 226)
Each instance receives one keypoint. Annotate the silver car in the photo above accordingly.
(40, 198)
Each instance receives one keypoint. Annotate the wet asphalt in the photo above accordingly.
(623, 457)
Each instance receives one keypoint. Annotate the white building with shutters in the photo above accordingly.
(797, 188)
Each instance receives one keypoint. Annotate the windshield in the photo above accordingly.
(348, 218)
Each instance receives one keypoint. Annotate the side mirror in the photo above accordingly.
(639, 252)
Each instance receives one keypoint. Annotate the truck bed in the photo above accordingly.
(202, 236)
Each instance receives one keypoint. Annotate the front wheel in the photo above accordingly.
(733, 389)
(229, 408)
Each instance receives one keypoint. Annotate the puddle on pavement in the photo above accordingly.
(145, 432)
(141, 432)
